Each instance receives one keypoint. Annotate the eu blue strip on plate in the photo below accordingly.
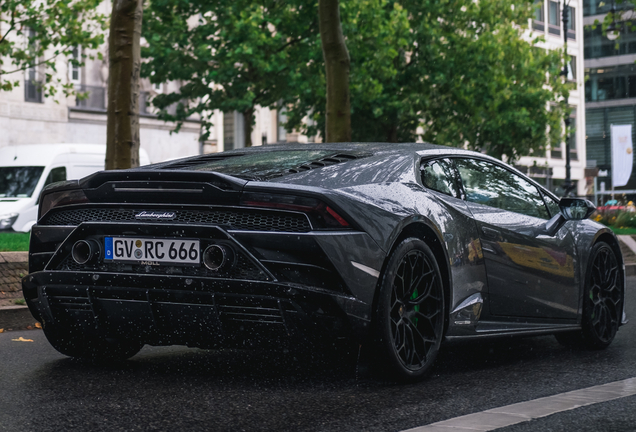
(108, 247)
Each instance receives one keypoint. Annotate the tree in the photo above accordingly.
(337, 62)
(230, 55)
(35, 35)
(461, 70)
(124, 63)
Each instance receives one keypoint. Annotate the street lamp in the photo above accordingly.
(568, 185)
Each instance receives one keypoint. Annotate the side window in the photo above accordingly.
(56, 175)
(439, 175)
(553, 205)
(489, 184)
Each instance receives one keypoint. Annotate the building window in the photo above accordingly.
(617, 82)
(596, 45)
(572, 23)
(598, 7)
(538, 22)
(75, 75)
(572, 69)
(557, 151)
(32, 84)
(92, 97)
(574, 155)
(228, 131)
(554, 23)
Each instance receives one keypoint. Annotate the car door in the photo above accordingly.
(529, 273)
(440, 177)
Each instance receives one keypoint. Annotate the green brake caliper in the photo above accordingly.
(416, 308)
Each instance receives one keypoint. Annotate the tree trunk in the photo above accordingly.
(392, 135)
(336, 56)
(248, 116)
(124, 62)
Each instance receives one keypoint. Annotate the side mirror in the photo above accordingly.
(576, 208)
(571, 209)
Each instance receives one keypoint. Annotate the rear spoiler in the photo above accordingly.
(162, 186)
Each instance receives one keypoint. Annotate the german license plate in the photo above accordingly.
(152, 251)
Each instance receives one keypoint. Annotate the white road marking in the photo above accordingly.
(629, 241)
(525, 411)
(367, 270)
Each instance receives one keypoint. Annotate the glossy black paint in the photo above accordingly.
(502, 272)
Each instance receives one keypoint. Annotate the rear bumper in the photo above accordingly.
(166, 310)
(289, 284)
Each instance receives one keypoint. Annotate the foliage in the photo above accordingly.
(37, 33)
(228, 54)
(460, 69)
(14, 241)
(621, 219)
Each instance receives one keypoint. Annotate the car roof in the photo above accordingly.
(387, 161)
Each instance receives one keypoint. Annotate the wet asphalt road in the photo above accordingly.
(176, 388)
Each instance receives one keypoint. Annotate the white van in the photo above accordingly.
(26, 169)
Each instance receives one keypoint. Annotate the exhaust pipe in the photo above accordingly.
(85, 251)
(218, 257)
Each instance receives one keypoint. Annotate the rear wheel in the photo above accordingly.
(602, 302)
(410, 311)
(78, 344)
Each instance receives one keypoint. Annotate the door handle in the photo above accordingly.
(490, 233)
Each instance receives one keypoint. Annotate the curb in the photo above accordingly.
(12, 257)
(630, 269)
(16, 317)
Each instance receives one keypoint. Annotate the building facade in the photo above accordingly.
(610, 89)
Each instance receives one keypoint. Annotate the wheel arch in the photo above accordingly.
(429, 234)
(610, 239)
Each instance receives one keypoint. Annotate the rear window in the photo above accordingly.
(19, 182)
(269, 164)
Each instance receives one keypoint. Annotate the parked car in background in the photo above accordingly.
(395, 246)
(25, 170)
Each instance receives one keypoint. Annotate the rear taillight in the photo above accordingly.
(320, 214)
(62, 198)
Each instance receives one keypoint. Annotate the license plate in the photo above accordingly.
(152, 251)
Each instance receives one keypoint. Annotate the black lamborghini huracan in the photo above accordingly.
(396, 246)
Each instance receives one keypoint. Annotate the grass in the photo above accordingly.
(623, 231)
(14, 242)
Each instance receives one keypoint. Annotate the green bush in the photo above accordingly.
(625, 219)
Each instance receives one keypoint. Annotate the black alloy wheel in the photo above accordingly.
(78, 344)
(410, 312)
(602, 301)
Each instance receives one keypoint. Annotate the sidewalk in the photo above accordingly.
(13, 267)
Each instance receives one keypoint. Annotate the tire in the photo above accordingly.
(409, 318)
(80, 345)
(603, 298)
